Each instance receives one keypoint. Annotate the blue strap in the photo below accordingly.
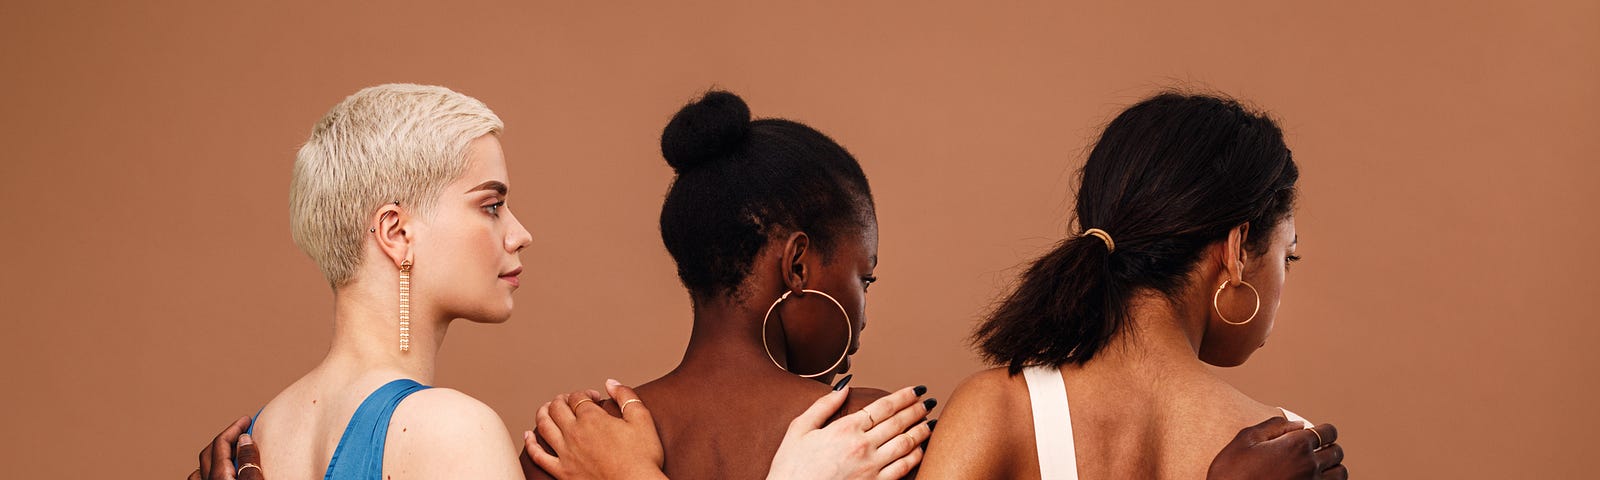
(359, 455)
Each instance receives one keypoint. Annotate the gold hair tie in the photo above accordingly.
(1105, 237)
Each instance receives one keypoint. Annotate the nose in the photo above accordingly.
(518, 238)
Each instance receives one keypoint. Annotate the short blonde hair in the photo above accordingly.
(388, 143)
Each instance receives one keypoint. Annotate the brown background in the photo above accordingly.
(1442, 318)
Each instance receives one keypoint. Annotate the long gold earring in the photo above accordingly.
(1218, 295)
(405, 306)
(849, 332)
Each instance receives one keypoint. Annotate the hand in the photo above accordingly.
(856, 446)
(589, 443)
(1281, 449)
(216, 459)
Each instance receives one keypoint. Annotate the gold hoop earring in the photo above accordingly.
(1218, 295)
(848, 329)
(405, 306)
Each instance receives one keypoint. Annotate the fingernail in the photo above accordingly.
(929, 403)
(920, 389)
(527, 435)
(245, 440)
(611, 382)
(842, 382)
(932, 423)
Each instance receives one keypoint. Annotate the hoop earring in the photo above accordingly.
(405, 306)
(1218, 295)
(849, 332)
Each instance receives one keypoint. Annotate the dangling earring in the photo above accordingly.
(849, 332)
(405, 306)
(1218, 295)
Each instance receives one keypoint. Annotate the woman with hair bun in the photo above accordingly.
(1187, 206)
(772, 226)
(773, 229)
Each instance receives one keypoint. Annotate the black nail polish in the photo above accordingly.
(920, 389)
(932, 423)
(842, 382)
(929, 403)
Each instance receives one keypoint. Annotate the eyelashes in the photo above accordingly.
(495, 208)
(1290, 260)
(867, 281)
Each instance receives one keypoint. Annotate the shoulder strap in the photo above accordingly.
(1052, 424)
(359, 455)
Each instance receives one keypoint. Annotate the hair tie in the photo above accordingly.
(1111, 246)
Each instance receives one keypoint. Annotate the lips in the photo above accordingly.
(511, 277)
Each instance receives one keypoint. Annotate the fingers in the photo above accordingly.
(585, 403)
(548, 430)
(901, 467)
(902, 444)
(195, 475)
(1338, 472)
(216, 461)
(819, 412)
(1272, 427)
(561, 411)
(884, 408)
(544, 460)
(249, 457)
(1329, 457)
(900, 421)
(633, 409)
(1326, 435)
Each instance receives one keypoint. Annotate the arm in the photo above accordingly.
(216, 459)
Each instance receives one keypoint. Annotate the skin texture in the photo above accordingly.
(460, 249)
(724, 411)
(1147, 406)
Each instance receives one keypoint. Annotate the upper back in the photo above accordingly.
(711, 431)
(987, 429)
(300, 430)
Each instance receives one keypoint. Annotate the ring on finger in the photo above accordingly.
(580, 402)
(248, 465)
(1319, 438)
(630, 401)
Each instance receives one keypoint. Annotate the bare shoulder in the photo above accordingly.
(442, 433)
(987, 420)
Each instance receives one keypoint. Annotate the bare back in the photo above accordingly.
(712, 429)
(1169, 430)
(301, 428)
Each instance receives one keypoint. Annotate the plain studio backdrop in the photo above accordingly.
(1443, 317)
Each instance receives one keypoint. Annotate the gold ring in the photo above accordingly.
(580, 402)
(629, 402)
(1319, 437)
(869, 416)
(249, 465)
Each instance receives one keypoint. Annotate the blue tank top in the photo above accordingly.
(359, 455)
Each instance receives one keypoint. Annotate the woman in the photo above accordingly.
(400, 197)
(772, 227)
(1188, 207)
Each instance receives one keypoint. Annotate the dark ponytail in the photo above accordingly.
(1168, 177)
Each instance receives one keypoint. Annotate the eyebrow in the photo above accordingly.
(495, 185)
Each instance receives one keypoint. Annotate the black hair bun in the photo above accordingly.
(708, 129)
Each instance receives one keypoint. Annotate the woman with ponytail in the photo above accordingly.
(1187, 209)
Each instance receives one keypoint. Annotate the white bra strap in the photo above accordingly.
(1052, 424)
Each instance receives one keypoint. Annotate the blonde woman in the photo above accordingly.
(399, 196)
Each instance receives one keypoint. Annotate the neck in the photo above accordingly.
(1158, 347)
(727, 340)
(366, 335)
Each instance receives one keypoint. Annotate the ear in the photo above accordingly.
(389, 227)
(795, 272)
(1233, 253)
